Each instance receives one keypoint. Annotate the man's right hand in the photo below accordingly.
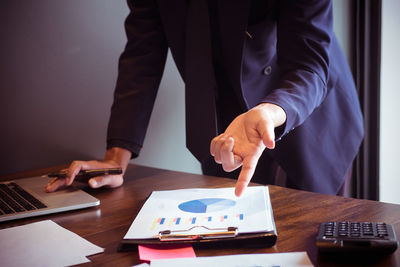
(115, 158)
(243, 142)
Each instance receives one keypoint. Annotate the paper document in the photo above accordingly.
(199, 210)
(43, 243)
(292, 259)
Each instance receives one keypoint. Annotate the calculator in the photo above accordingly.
(360, 237)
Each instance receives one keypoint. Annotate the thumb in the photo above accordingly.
(109, 181)
(266, 131)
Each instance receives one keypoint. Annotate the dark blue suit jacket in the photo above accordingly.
(282, 52)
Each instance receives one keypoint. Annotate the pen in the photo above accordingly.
(87, 173)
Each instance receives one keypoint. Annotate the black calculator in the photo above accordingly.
(360, 237)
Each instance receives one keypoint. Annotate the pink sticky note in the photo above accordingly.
(148, 253)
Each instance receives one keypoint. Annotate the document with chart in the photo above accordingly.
(198, 215)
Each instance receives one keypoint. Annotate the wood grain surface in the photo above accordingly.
(297, 216)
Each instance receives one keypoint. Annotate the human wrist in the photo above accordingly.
(119, 156)
(277, 114)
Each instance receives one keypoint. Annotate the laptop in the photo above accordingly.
(26, 197)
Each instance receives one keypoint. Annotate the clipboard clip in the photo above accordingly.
(176, 235)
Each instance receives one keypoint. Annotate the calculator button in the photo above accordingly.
(356, 237)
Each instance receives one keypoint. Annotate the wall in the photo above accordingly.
(390, 95)
(342, 19)
(164, 146)
(57, 73)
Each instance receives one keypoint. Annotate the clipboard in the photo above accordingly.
(200, 235)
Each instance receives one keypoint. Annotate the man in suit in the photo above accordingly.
(267, 88)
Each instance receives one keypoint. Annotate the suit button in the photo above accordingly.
(268, 70)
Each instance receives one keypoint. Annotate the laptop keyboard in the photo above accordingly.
(14, 198)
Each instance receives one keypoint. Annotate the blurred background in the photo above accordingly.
(58, 70)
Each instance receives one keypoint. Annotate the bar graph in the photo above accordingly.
(197, 220)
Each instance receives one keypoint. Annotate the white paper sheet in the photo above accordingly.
(292, 259)
(43, 243)
(213, 208)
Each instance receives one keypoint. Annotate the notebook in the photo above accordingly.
(26, 197)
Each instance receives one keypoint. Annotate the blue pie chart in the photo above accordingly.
(206, 205)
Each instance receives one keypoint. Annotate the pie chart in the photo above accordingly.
(206, 205)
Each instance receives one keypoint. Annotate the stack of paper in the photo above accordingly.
(191, 210)
(293, 259)
(43, 243)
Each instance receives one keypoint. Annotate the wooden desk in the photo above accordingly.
(297, 216)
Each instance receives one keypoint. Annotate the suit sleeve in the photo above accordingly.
(304, 34)
(140, 69)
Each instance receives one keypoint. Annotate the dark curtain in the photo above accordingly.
(366, 70)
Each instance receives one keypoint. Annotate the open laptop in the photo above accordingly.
(26, 197)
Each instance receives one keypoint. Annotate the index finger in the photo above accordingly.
(247, 172)
(54, 184)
